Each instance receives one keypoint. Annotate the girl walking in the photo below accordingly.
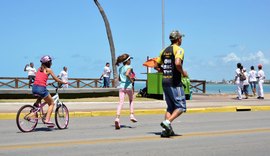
(125, 87)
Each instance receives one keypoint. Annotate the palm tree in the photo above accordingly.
(110, 38)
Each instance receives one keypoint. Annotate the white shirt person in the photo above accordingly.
(31, 72)
(261, 78)
(106, 75)
(253, 79)
(64, 76)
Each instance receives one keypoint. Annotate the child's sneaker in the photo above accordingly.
(49, 124)
(117, 123)
(132, 118)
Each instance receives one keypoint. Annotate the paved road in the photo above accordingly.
(204, 134)
(199, 103)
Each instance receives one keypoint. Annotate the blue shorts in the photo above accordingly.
(40, 90)
(253, 84)
(175, 98)
(245, 89)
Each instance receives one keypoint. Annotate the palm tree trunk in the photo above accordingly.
(110, 38)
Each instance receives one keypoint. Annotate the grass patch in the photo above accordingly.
(96, 99)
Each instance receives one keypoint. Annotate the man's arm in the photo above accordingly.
(157, 67)
(26, 67)
(179, 67)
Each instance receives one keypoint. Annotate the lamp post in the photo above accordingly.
(163, 24)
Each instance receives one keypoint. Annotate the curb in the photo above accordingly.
(4, 116)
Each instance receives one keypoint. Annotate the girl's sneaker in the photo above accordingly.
(49, 124)
(117, 123)
(132, 118)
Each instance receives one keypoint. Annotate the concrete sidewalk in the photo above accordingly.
(199, 104)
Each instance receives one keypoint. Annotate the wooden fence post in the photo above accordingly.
(78, 83)
(16, 83)
(204, 87)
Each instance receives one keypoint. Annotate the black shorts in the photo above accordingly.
(31, 78)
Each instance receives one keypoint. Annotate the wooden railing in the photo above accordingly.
(198, 85)
(23, 82)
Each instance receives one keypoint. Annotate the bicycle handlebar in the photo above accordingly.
(60, 85)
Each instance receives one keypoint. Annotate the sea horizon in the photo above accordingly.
(213, 88)
(210, 88)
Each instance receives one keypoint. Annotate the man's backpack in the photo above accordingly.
(242, 77)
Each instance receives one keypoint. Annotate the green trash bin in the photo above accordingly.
(154, 83)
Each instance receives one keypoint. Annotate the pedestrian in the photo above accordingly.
(237, 81)
(245, 83)
(64, 76)
(125, 87)
(31, 70)
(261, 78)
(40, 83)
(170, 62)
(106, 75)
(253, 79)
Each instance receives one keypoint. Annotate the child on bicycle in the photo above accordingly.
(125, 87)
(40, 83)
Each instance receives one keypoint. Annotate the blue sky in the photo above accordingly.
(218, 34)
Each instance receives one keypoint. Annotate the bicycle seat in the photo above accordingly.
(36, 95)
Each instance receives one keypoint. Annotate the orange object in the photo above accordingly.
(150, 63)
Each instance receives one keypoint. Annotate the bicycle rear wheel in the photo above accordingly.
(62, 116)
(27, 118)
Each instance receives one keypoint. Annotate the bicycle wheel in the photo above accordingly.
(27, 118)
(61, 116)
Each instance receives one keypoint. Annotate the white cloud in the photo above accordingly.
(261, 58)
(232, 57)
(257, 57)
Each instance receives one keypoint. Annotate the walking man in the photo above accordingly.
(170, 62)
(237, 81)
(106, 75)
(261, 78)
(253, 79)
(64, 76)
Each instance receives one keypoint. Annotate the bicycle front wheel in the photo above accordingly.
(62, 116)
(27, 118)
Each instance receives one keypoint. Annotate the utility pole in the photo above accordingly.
(163, 24)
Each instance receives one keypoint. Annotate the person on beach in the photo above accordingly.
(125, 87)
(64, 76)
(261, 78)
(40, 83)
(252, 79)
(237, 81)
(170, 62)
(31, 72)
(245, 83)
(106, 75)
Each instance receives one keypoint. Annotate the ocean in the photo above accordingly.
(212, 88)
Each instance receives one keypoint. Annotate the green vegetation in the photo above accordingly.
(96, 99)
